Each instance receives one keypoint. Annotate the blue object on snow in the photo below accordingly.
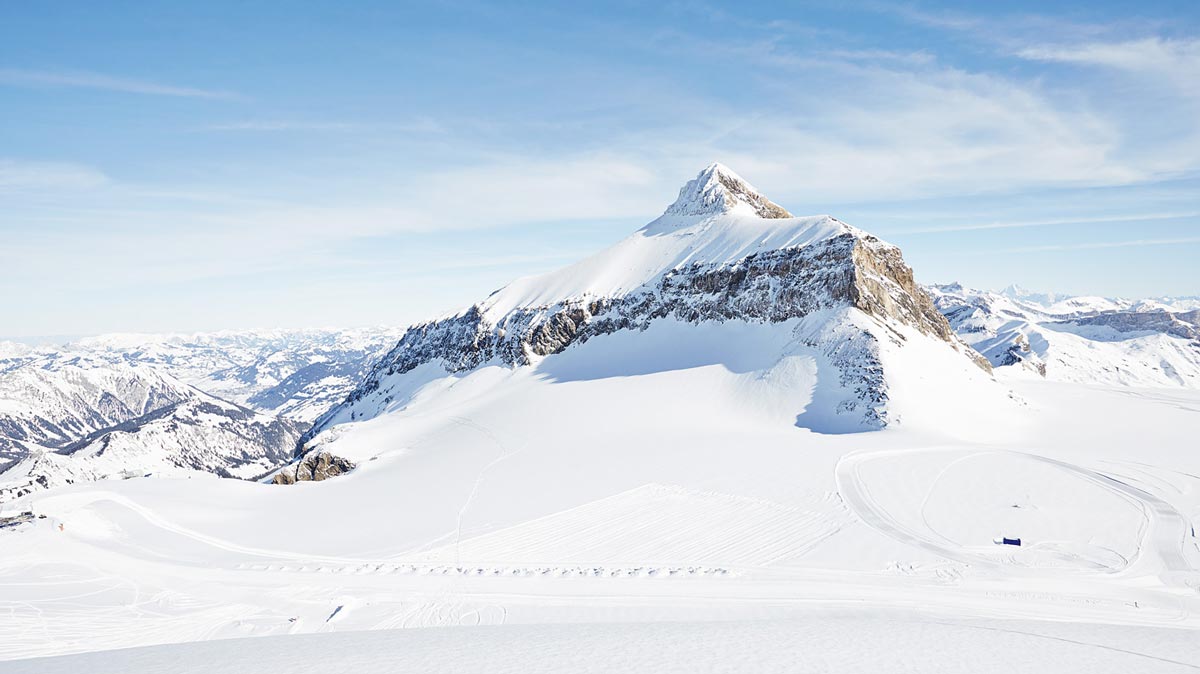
(1010, 541)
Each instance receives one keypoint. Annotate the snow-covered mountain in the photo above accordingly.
(58, 401)
(230, 403)
(1081, 339)
(202, 434)
(297, 373)
(825, 312)
(1063, 305)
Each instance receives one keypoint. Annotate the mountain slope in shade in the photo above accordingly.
(1085, 340)
(829, 299)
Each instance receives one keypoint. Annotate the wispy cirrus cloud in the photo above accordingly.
(18, 175)
(281, 125)
(1178, 61)
(1147, 54)
(420, 125)
(1140, 217)
(100, 81)
(1097, 245)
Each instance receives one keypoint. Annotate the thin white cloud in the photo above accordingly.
(1140, 217)
(89, 80)
(894, 133)
(421, 125)
(866, 126)
(1136, 243)
(16, 175)
(281, 125)
(919, 57)
(940, 19)
(1148, 54)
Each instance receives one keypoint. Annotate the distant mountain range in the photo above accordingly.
(229, 403)
(1096, 340)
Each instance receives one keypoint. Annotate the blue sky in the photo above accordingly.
(198, 166)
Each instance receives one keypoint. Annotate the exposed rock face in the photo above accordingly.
(1179, 324)
(316, 466)
(17, 520)
(847, 270)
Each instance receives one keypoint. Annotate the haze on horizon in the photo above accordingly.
(212, 166)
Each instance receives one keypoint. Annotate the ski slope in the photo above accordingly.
(779, 527)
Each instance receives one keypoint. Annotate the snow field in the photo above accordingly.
(958, 501)
(827, 642)
(658, 524)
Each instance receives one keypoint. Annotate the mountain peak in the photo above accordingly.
(716, 190)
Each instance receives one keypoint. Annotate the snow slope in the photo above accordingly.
(495, 519)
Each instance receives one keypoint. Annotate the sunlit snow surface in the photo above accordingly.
(654, 496)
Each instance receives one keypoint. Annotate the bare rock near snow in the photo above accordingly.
(317, 466)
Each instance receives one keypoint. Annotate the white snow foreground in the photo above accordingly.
(827, 642)
(730, 443)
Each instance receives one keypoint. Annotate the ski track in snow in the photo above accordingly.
(1163, 536)
(658, 522)
(605, 552)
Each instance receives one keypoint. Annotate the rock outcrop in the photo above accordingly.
(314, 467)
(1185, 325)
